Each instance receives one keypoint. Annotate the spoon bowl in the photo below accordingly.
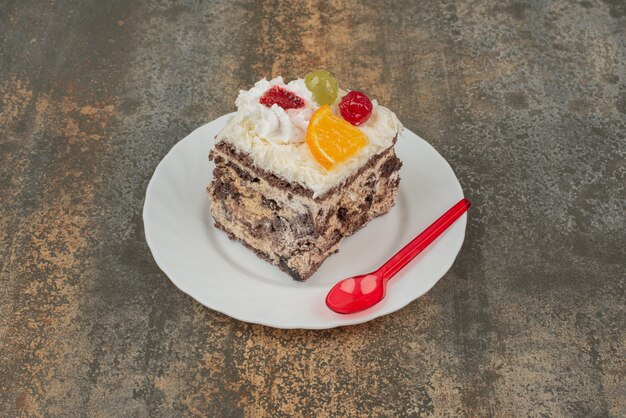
(356, 293)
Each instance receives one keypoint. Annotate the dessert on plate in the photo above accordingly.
(300, 166)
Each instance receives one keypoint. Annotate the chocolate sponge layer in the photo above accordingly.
(282, 222)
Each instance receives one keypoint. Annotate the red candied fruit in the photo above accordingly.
(281, 97)
(355, 107)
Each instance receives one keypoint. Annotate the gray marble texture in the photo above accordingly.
(525, 99)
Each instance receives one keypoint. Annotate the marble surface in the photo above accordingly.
(525, 99)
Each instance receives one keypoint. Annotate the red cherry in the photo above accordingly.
(355, 107)
(282, 97)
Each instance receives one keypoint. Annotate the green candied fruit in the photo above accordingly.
(323, 86)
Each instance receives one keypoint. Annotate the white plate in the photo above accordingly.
(227, 277)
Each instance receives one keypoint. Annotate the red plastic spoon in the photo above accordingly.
(366, 290)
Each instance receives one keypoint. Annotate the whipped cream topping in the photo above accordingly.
(276, 124)
(274, 138)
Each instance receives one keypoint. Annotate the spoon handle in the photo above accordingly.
(413, 248)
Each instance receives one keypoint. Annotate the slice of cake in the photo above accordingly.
(299, 167)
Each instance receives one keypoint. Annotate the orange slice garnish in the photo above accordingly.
(331, 139)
